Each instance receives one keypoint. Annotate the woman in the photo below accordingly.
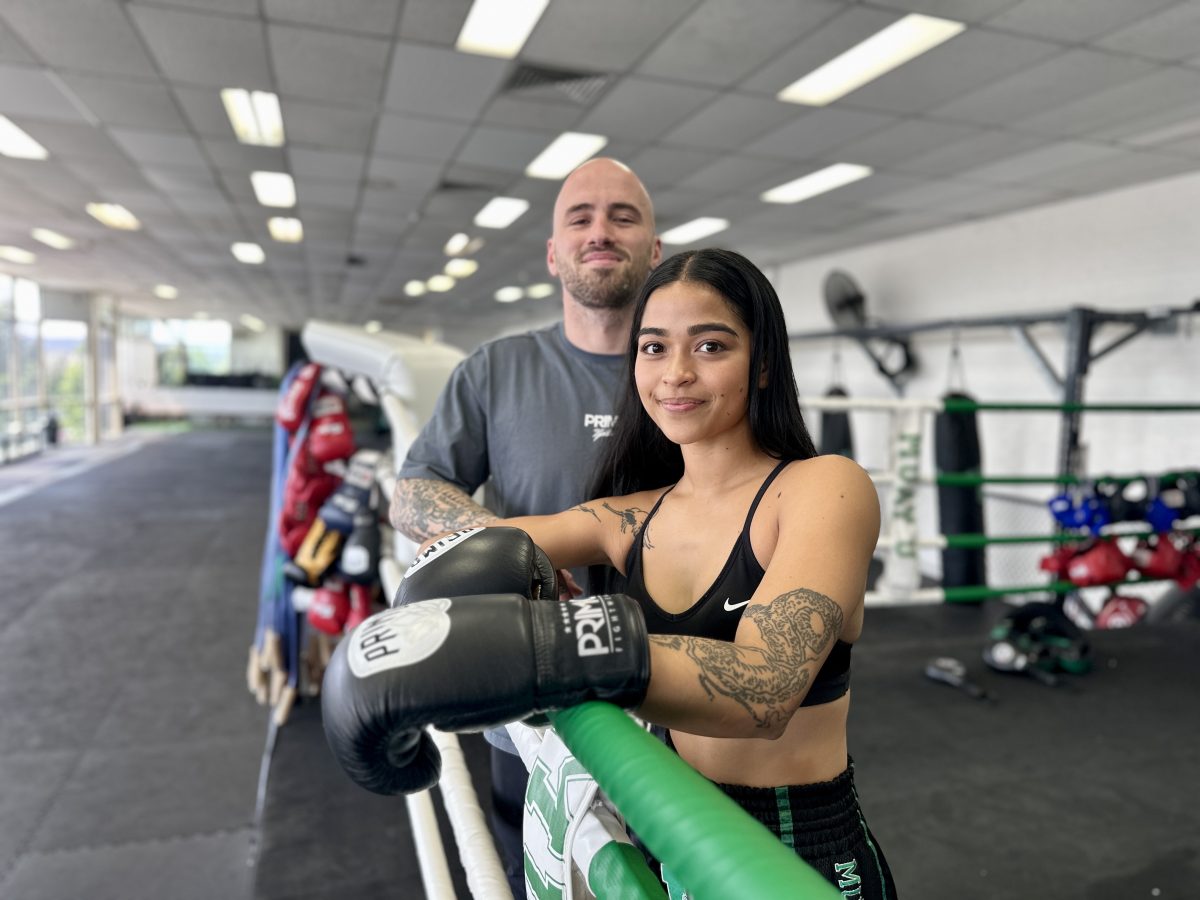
(712, 489)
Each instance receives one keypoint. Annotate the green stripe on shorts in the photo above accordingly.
(783, 805)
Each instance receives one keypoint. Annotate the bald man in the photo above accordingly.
(529, 414)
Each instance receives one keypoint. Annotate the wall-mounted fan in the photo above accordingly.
(847, 306)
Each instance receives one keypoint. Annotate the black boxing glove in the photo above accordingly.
(492, 560)
(469, 663)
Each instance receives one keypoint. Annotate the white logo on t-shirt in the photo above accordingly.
(601, 424)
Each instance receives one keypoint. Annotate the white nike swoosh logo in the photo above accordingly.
(730, 607)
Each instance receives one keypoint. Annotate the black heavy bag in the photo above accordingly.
(960, 509)
(836, 436)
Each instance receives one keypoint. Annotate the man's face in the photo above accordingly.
(603, 245)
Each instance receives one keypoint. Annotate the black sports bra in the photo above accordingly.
(717, 613)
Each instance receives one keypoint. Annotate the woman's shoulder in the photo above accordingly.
(829, 479)
(828, 468)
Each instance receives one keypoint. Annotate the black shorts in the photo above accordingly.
(823, 824)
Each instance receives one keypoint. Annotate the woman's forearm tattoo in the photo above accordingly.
(796, 628)
(587, 509)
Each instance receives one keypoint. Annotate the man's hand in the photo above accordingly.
(568, 589)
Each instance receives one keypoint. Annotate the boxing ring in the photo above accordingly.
(902, 537)
(701, 835)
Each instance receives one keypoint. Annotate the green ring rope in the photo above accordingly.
(964, 406)
(701, 835)
(974, 479)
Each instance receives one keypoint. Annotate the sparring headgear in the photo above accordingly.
(1039, 640)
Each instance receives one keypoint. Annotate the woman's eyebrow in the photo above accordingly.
(701, 328)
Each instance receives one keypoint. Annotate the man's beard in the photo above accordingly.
(604, 288)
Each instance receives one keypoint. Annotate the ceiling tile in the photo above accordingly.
(31, 92)
(601, 37)
(11, 48)
(506, 149)
(108, 173)
(544, 115)
(971, 60)
(1119, 170)
(893, 144)
(665, 167)
(838, 34)
(733, 173)
(89, 37)
(220, 51)
(730, 121)
(319, 65)
(1073, 22)
(435, 82)
(817, 132)
(169, 179)
(1171, 34)
(374, 17)
(1167, 89)
(230, 156)
(1074, 74)
(329, 164)
(312, 192)
(67, 140)
(1026, 167)
(433, 21)
(157, 147)
(720, 43)
(643, 109)
(984, 147)
(242, 7)
(137, 104)
(958, 10)
(204, 111)
(417, 137)
(327, 126)
(403, 174)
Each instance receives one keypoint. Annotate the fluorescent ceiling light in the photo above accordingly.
(52, 239)
(461, 268)
(509, 294)
(540, 290)
(694, 230)
(373, 327)
(17, 255)
(456, 244)
(200, 314)
(274, 188)
(114, 215)
(439, 284)
(16, 143)
(255, 116)
(885, 50)
(253, 323)
(499, 27)
(166, 291)
(285, 230)
(249, 253)
(500, 212)
(565, 152)
(414, 288)
(818, 182)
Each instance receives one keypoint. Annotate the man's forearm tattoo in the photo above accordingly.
(796, 628)
(423, 508)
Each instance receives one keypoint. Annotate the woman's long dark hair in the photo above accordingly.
(639, 456)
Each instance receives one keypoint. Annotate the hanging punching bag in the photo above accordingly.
(960, 509)
(835, 428)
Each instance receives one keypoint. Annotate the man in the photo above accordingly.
(529, 414)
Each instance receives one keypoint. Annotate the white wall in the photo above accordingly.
(1128, 250)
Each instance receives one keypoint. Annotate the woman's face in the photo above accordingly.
(693, 363)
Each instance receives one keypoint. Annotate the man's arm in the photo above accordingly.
(423, 508)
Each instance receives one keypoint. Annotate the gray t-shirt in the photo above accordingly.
(528, 415)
